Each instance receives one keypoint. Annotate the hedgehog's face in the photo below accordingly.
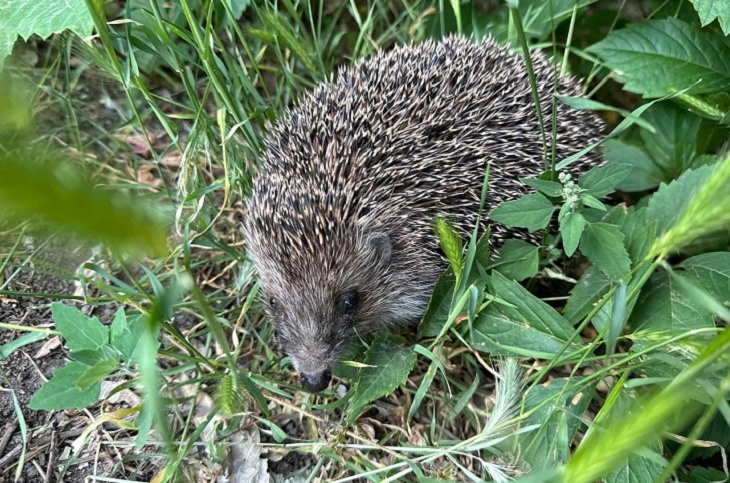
(318, 309)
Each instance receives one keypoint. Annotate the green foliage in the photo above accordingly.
(388, 363)
(658, 57)
(643, 322)
(530, 211)
(25, 18)
(709, 10)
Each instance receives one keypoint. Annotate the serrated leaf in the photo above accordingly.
(658, 57)
(709, 10)
(571, 227)
(667, 204)
(663, 306)
(559, 420)
(602, 180)
(450, 244)
(546, 187)
(591, 286)
(645, 173)
(81, 332)
(712, 270)
(437, 312)
(529, 327)
(531, 211)
(97, 373)
(673, 144)
(62, 392)
(123, 339)
(391, 362)
(603, 244)
(517, 259)
(25, 18)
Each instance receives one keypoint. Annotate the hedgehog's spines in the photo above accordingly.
(393, 142)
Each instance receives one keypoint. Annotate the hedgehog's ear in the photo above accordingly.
(381, 246)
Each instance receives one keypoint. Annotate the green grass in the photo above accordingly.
(166, 113)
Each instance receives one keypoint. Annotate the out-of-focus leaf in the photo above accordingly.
(517, 259)
(53, 193)
(710, 10)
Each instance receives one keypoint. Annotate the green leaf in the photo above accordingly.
(603, 244)
(601, 181)
(527, 327)
(637, 470)
(663, 306)
(645, 173)
(97, 373)
(571, 227)
(669, 202)
(517, 259)
(25, 18)
(639, 234)
(33, 187)
(62, 391)
(531, 211)
(548, 188)
(558, 408)
(123, 339)
(437, 312)
(23, 340)
(540, 17)
(450, 244)
(673, 142)
(713, 272)
(391, 362)
(659, 57)
(81, 332)
(710, 10)
(591, 287)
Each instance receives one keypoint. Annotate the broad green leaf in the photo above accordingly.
(667, 204)
(603, 244)
(638, 233)
(657, 57)
(97, 373)
(123, 338)
(527, 327)
(437, 312)
(546, 187)
(558, 410)
(531, 211)
(673, 143)
(602, 180)
(81, 332)
(35, 188)
(391, 362)
(541, 17)
(62, 391)
(709, 10)
(645, 175)
(25, 18)
(664, 307)
(571, 227)
(517, 259)
(713, 272)
(450, 244)
(706, 475)
(591, 286)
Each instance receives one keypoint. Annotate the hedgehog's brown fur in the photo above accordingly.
(340, 223)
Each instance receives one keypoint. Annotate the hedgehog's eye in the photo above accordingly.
(273, 304)
(349, 301)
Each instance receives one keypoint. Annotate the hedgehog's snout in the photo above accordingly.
(316, 382)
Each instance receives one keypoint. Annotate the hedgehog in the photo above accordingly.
(340, 222)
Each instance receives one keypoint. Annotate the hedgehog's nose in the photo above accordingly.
(316, 382)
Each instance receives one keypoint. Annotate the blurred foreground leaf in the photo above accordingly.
(52, 193)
